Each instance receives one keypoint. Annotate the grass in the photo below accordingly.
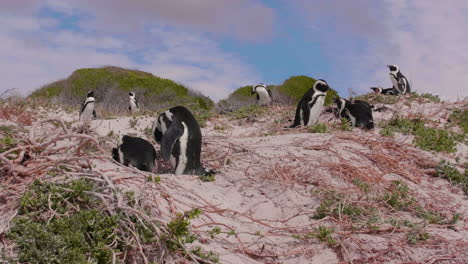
(334, 204)
(318, 128)
(345, 125)
(424, 97)
(426, 138)
(460, 118)
(361, 184)
(373, 98)
(249, 112)
(449, 172)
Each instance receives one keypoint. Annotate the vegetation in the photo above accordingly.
(111, 85)
(424, 97)
(453, 175)
(426, 138)
(250, 112)
(460, 118)
(318, 128)
(69, 223)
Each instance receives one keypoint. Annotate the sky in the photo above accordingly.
(216, 46)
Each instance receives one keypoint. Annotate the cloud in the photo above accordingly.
(34, 52)
(427, 39)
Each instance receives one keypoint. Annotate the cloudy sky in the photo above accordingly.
(215, 46)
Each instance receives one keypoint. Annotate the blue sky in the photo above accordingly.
(215, 46)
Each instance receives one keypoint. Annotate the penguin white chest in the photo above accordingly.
(87, 112)
(183, 143)
(133, 106)
(315, 110)
(394, 81)
(263, 96)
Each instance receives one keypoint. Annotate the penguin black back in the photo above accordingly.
(137, 152)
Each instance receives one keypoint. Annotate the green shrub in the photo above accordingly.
(447, 171)
(398, 196)
(426, 138)
(460, 118)
(318, 128)
(249, 112)
(334, 204)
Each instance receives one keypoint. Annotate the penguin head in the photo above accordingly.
(393, 68)
(161, 125)
(320, 85)
(377, 90)
(90, 94)
(341, 103)
(131, 94)
(254, 87)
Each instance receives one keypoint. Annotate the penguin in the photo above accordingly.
(309, 108)
(399, 81)
(263, 94)
(137, 152)
(87, 111)
(134, 106)
(357, 111)
(178, 133)
(386, 91)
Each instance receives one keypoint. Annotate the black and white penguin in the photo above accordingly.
(386, 91)
(178, 133)
(263, 94)
(133, 103)
(137, 152)
(358, 112)
(87, 111)
(399, 81)
(309, 108)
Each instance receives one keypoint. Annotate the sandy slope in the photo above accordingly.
(270, 182)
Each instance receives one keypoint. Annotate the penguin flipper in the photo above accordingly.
(173, 133)
(94, 114)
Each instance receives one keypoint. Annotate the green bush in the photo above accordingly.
(295, 87)
(460, 118)
(318, 128)
(448, 171)
(426, 138)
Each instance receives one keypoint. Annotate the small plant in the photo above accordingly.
(6, 143)
(398, 196)
(318, 128)
(334, 204)
(208, 177)
(447, 171)
(250, 112)
(179, 229)
(346, 125)
(156, 179)
(219, 128)
(460, 118)
(361, 184)
(215, 231)
(416, 235)
(133, 122)
(324, 234)
(210, 256)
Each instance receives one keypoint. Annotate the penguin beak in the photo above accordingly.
(389, 66)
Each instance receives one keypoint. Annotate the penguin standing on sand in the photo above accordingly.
(178, 133)
(399, 81)
(137, 152)
(134, 106)
(87, 111)
(356, 111)
(386, 91)
(263, 94)
(309, 108)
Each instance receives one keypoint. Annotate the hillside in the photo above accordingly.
(289, 92)
(111, 86)
(325, 194)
